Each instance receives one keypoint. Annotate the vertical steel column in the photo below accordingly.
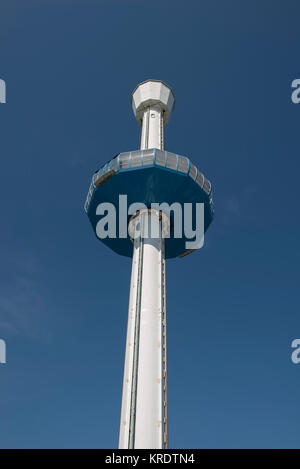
(144, 402)
(164, 352)
(152, 128)
(130, 350)
(149, 412)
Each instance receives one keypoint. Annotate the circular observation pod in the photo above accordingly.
(150, 177)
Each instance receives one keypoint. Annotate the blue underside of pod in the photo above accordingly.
(148, 185)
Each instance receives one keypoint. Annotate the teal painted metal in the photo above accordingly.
(144, 177)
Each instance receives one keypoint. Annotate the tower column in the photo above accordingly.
(152, 135)
(144, 403)
(130, 351)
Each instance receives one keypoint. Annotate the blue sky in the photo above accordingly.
(233, 307)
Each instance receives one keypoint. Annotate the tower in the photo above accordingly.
(153, 183)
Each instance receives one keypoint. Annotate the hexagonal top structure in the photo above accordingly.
(152, 93)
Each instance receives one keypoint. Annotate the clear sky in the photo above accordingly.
(233, 306)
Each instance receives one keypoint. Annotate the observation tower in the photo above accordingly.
(148, 181)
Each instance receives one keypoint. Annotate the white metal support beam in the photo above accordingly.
(144, 400)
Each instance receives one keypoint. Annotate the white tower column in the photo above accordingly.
(152, 135)
(144, 401)
(144, 412)
(130, 351)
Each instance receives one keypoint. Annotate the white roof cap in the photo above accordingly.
(152, 93)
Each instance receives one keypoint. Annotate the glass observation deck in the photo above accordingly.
(139, 159)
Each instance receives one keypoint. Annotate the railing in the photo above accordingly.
(143, 158)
